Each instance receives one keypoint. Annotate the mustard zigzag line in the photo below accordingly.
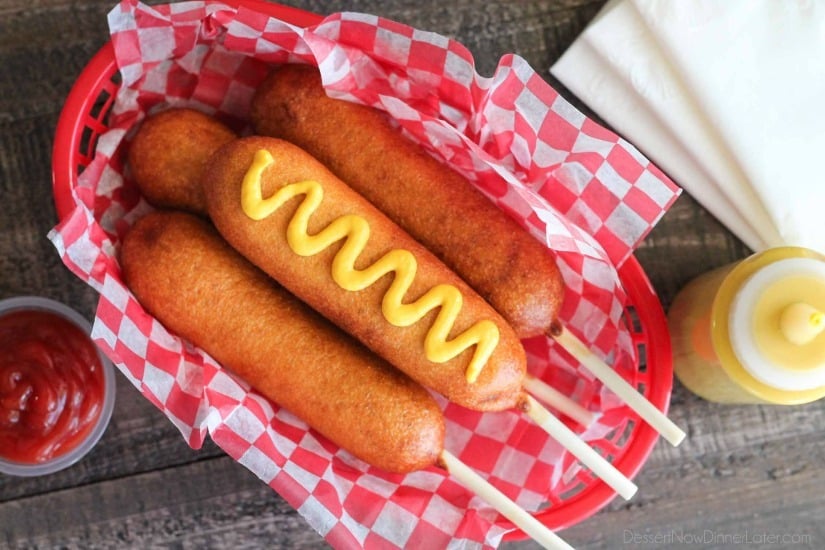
(356, 232)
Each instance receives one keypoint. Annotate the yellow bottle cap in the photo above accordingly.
(746, 327)
(773, 324)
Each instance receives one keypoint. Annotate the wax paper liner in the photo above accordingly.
(590, 196)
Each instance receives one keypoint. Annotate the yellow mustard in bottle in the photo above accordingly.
(754, 331)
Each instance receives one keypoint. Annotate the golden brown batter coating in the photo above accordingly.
(191, 280)
(264, 242)
(169, 152)
(434, 204)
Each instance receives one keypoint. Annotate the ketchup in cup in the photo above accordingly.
(56, 389)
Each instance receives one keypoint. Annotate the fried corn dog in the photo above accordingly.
(193, 282)
(513, 271)
(481, 363)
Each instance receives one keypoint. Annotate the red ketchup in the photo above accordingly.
(51, 386)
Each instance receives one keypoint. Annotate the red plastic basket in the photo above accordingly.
(83, 119)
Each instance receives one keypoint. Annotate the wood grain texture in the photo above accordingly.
(743, 471)
(173, 507)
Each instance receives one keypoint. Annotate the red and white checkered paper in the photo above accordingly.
(590, 196)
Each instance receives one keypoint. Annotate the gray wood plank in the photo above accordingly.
(209, 504)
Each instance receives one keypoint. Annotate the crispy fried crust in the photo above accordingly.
(499, 385)
(191, 280)
(168, 153)
(434, 204)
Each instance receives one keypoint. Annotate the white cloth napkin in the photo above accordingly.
(725, 97)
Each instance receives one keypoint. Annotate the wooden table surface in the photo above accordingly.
(747, 476)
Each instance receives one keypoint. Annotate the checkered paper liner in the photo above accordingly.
(590, 196)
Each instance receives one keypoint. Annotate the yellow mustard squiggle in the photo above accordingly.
(356, 232)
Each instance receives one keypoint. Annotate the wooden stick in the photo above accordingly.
(557, 400)
(618, 385)
(506, 507)
(581, 450)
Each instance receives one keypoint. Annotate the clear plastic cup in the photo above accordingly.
(72, 456)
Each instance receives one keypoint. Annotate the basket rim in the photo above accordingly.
(641, 294)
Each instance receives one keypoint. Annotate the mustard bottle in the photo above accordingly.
(754, 331)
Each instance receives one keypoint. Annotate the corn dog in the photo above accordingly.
(198, 286)
(481, 363)
(194, 283)
(512, 271)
